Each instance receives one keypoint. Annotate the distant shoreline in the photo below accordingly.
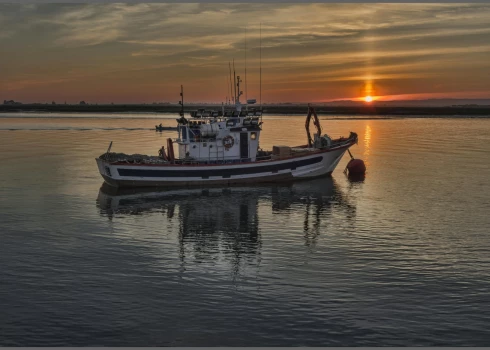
(268, 109)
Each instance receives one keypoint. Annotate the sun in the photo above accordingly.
(368, 98)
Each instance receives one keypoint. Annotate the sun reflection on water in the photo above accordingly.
(367, 142)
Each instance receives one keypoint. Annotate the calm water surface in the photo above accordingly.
(401, 258)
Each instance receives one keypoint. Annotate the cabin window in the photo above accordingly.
(232, 122)
(253, 135)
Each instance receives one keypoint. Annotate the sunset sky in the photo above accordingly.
(119, 53)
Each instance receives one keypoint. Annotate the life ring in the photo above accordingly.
(228, 141)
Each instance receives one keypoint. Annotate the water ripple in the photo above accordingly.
(398, 258)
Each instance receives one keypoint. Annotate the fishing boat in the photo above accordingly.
(222, 147)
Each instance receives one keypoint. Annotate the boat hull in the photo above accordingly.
(316, 164)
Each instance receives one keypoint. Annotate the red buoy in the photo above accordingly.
(356, 166)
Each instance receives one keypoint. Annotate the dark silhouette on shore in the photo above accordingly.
(360, 109)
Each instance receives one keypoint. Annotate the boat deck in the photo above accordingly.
(262, 156)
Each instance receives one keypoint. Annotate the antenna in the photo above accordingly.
(246, 94)
(238, 80)
(227, 85)
(234, 80)
(231, 89)
(260, 63)
(181, 102)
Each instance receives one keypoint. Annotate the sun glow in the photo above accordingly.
(368, 98)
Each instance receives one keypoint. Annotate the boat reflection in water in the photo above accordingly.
(226, 220)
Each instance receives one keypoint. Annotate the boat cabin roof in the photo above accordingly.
(229, 121)
(203, 113)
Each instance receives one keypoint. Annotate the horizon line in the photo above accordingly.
(356, 100)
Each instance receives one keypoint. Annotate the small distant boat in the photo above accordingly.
(223, 148)
(162, 128)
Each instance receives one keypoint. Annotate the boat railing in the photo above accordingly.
(132, 158)
(224, 160)
(344, 140)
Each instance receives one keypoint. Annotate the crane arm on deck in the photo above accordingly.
(316, 122)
